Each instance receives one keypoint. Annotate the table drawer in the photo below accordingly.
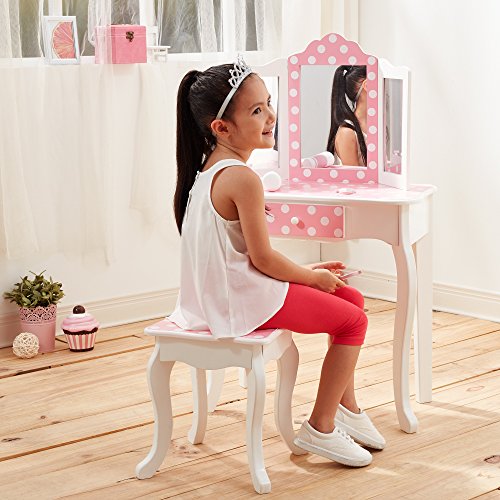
(306, 220)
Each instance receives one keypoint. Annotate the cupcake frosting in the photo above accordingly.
(80, 322)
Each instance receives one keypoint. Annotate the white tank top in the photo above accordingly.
(221, 290)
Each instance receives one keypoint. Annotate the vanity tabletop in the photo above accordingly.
(330, 192)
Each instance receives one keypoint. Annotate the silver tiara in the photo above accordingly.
(239, 72)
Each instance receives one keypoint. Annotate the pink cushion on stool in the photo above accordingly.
(167, 328)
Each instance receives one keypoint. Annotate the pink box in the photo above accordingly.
(120, 44)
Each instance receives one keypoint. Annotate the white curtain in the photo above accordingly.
(197, 25)
(82, 145)
(18, 39)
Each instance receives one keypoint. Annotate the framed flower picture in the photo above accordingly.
(60, 40)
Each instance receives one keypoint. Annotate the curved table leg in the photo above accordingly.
(255, 413)
(199, 425)
(287, 373)
(403, 323)
(159, 387)
(215, 383)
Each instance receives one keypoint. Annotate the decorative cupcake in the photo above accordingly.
(80, 329)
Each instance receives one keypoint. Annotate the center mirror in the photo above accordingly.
(333, 103)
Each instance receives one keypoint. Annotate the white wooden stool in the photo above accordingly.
(203, 352)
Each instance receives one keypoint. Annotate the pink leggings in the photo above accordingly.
(307, 310)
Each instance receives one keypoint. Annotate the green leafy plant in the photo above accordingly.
(35, 292)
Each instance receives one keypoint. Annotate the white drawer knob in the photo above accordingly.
(294, 220)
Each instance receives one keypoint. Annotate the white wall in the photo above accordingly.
(451, 48)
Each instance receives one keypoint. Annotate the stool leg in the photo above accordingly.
(242, 378)
(159, 387)
(255, 412)
(197, 431)
(215, 383)
(287, 373)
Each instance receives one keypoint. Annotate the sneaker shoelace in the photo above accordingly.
(346, 436)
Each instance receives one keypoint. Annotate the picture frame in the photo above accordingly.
(60, 40)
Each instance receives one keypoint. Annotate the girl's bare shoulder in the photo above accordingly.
(239, 182)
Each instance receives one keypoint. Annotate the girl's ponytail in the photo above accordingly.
(346, 82)
(190, 148)
(200, 96)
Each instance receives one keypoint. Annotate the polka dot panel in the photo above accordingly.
(317, 221)
(333, 49)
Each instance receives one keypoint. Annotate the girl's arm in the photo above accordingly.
(346, 146)
(247, 194)
(331, 265)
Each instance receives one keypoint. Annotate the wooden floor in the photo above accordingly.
(76, 424)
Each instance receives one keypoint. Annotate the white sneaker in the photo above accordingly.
(360, 427)
(337, 446)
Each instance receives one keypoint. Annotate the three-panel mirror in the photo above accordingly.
(342, 116)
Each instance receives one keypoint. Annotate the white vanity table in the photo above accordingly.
(360, 201)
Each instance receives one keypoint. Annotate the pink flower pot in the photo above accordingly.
(40, 321)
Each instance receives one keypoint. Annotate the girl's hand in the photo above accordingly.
(326, 281)
(333, 265)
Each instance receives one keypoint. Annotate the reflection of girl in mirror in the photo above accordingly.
(347, 139)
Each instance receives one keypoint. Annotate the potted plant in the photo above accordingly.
(37, 299)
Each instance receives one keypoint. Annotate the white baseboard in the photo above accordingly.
(109, 312)
(446, 298)
(141, 307)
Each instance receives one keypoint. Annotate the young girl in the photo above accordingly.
(232, 281)
(347, 139)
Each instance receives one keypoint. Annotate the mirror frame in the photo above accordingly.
(387, 70)
(333, 50)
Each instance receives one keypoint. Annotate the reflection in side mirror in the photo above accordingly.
(393, 124)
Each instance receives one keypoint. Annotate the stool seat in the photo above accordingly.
(202, 351)
(167, 328)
